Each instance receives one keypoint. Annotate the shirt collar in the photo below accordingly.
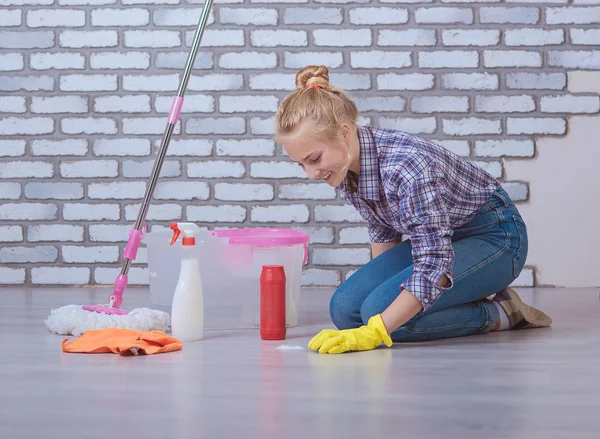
(368, 180)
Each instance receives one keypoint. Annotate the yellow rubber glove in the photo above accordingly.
(365, 338)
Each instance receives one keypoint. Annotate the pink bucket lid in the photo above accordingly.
(263, 236)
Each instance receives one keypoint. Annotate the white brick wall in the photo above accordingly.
(86, 85)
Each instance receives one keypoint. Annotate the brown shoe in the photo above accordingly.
(520, 315)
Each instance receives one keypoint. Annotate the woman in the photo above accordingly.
(467, 238)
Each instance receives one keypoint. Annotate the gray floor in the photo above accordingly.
(526, 384)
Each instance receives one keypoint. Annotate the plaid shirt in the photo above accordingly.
(409, 185)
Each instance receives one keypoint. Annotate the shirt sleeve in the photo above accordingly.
(381, 233)
(426, 218)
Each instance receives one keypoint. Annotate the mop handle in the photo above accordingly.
(136, 234)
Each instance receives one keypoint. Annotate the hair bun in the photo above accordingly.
(313, 75)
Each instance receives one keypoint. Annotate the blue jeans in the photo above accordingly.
(489, 253)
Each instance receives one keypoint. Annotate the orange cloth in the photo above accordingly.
(122, 341)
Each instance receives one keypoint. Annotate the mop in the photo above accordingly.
(76, 319)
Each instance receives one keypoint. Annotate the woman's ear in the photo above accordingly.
(346, 132)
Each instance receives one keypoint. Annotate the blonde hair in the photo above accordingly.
(317, 102)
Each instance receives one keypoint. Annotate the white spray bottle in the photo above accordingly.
(187, 313)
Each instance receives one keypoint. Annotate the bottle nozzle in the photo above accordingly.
(187, 239)
(176, 232)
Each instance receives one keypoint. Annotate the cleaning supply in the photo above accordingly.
(272, 303)
(71, 318)
(187, 312)
(122, 341)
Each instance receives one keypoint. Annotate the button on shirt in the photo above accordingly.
(409, 185)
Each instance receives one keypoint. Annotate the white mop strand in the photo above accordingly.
(74, 320)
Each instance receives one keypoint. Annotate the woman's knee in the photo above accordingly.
(344, 309)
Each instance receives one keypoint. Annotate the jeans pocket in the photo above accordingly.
(522, 245)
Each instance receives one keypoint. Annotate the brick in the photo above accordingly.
(448, 59)
(280, 214)
(122, 147)
(10, 126)
(74, 254)
(88, 82)
(188, 147)
(244, 104)
(278, 38)
(312, 16)
(573, 15)
(91, 212)
(299, 60)
(12, 104)
(262, 126)
(10, 18)
(310, 191)
(216, 214)
(342, 37)
(380, 15)
(107, 276)
(42, 253)
(459, 147)
(216, 125)
(59, 104)
(251, 16)
(536, 81)
(119, 60)
(156, 212)
(470, 81)
(378, 103)
(470, 37)
(216, 82)
(28, 211)
(88, 125)
(147, 125)
(516, 15)
(512, 58)
(191, 104)
(276, 170)
(315, 277)
(444, 15)
(137, 169)
(341, 256)
(11, 234)
(516, 191)
(287, 1)
(55, 18)
(12, 148)
(182, 190)
(354, 235)
(216, 169)
(417, 125)
(380, 59)
(11, 62)
(493, 168)
(10, 191)
(536, 125)
(79, 39)
(120, 17)
(177, 60)
(59, 61)
(273, 81)
(337, 214)
(533, 37)
(409, 37)
(245, 148)
(504, 104)
(12, 276)
(218, 38)
(86, 2)
(440, 104)
(152, 38)
(471, 126)
(408, 81)
(47, 147)
(318, 234)
(54, 191)
(351, 81)
(585, 36)
(26, 169)
(55, 232)
(60, 275)
(122, 104)
(89, 169)
(575, 59)
(180, 17)
(504, 148)
(243, 192)
(26, 40)
(248, 60)
(26, 83)
(570, 104)
(109, 233)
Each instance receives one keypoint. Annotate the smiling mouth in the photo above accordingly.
(327, 176)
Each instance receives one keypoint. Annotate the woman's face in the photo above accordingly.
(319, 160)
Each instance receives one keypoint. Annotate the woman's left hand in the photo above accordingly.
(331, 341)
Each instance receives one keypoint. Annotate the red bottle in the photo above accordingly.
(272, 303)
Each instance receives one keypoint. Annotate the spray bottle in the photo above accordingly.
(187, 313)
